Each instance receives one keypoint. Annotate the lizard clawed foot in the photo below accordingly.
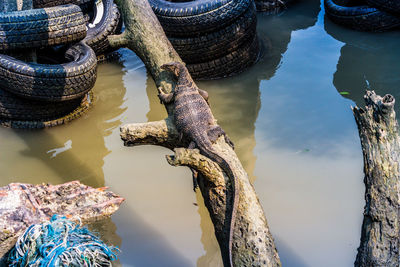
(229, 142)
(160, 92)
(195, 176)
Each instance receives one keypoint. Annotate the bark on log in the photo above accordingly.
(380, 141)
(22, 205)
(253, 244)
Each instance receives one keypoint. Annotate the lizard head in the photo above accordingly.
(173, 67)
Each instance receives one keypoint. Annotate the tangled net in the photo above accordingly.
(60, 242)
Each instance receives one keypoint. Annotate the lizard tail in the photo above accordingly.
(207, 150)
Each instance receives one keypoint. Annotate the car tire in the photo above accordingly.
(216, 44)
(197, 17)
(42, 27)
(47, 82)
(228, 65)
(358, 16)
(105, 22)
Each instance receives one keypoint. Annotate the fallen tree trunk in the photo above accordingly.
(253, 244)
(380, 141)
(22, 205)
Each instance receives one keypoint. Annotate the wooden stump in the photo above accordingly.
(379, 134)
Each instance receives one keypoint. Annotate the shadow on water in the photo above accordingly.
(288, 256)
(106, 230)
(368, 61)
(52, 147)
(275, 33)
(149, 247)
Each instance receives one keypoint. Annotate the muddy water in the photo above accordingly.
(294, 133)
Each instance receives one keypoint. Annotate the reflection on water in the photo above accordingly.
(62, 154)
(366, 62)
(294, 133)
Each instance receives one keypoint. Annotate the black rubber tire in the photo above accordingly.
(390, 6)
(50, 3)
(362, 40)
(104, 23)
(24, 114)
(16, 108)
(216, 44)
(37, 28)
(229, 65)
(356, 15)
(197, 17)
(50, 82)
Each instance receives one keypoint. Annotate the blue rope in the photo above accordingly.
(60, 242)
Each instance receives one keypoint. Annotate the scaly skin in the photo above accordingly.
(194, 120)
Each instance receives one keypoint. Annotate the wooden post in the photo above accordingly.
(380, 141)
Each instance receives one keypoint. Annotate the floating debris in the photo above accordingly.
(60, 242)
(22, 205)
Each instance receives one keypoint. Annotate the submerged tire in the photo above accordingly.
(37, 28)
(104, 23)
(391, 6)
(356, 15)
(216, 44)
(50, 82)
(15, 108)
(196, 17)
(229, 65)
(24, 114)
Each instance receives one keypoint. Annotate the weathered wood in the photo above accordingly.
(22, 205)
(380, 141)
(253, 244)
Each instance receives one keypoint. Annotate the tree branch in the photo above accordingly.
(161, 133)
(253, 244)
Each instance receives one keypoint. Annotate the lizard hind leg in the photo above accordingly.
(215, 132)
(195, 174)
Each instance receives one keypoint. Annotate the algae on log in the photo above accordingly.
(379, 134)
(22, 205)
(253, 244)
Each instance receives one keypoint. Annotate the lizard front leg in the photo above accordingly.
(204, 94)
(165, 98)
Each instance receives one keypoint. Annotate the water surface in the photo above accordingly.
(294, 131)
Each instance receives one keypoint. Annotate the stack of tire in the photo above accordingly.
(364, 15)
(64, 42)
(215, 39)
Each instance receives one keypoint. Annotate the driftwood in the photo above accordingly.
(253, 244)
(380, 141)
(22, 205)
